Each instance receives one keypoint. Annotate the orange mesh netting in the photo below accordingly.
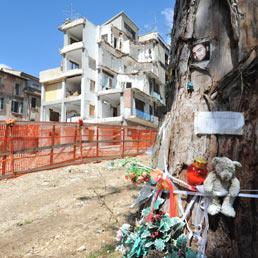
(31, 146)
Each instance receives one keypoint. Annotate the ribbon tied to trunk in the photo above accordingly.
(163, 182)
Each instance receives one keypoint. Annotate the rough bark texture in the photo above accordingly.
(228, 81)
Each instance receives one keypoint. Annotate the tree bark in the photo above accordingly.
(226, 81)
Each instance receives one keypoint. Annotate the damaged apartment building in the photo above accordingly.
(109, 75)
(19, 95)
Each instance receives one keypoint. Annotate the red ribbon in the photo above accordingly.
(163, 183)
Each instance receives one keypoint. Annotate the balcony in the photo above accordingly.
(156, 95)
(143, 118)
(57, 74)
(143, 115)
(77, 46)
(50, 75)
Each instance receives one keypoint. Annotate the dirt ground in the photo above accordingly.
(67, 212)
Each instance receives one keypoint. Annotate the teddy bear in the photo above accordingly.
(222, 183)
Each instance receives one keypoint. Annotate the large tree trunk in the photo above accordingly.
(228, 81)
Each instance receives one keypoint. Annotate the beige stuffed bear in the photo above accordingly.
(222, 182)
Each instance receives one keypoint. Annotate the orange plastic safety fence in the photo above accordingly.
(31, 146)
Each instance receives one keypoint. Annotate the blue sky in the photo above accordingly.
(30, 40)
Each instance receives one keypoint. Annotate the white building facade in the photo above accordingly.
(109, 75)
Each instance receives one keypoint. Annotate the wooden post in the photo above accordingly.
(97, 142)
(4, 150)
(52, 145)
(75, 143)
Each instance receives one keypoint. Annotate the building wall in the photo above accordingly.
(135, 68)
(7, 91)
(53, 92)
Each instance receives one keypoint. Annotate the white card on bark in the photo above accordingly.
(219, 123)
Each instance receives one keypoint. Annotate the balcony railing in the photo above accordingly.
(143, 115)
(156, 95)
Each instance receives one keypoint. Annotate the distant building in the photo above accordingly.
(109, 74)
(19, 95)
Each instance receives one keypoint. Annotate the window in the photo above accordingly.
(92, 63)
(139, 105)
(115, 111)
(107, 80)
(17, 89)
(156, 88)
(125, 69)
(92, 86)
(115, 42)
(72, 40)
(73, 65)
(128, 85)
(151, 110)
(166, 59)
(17, 107)
(1, 103)
(130, 30)
(92, 110)
(33, 102)
(105, 37)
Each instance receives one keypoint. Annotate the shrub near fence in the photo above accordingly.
(31, 146)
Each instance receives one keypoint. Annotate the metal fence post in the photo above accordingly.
(52, 145)
(81, 130)
(123, 142)
(5, 150)
(11, 149)
(138, 140)
(75, 143)
(97, 142)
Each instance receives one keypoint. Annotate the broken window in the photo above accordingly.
(53, 115)
(17, 107)
(115, 112)
(92, 63)
(151, 110)
(72, 40)
(17, 89)
(105, 37)
(139, 105)
(107, 80)
(156, 88)
(1, 103)
(166, 59)
(92, 86)
(33, 102)
(128, 85)
(130, 30)
(92, 110)
(115, 42)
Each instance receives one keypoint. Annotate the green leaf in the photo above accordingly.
(135, 246)
(181, 241)
(146, 212)
(166, 238)
(146, 233)
(158, 202)
(149, 244)
(159, 244)
(190, 253)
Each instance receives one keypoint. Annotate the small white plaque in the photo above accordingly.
(219, 123)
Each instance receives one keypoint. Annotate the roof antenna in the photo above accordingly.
(71, 14)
